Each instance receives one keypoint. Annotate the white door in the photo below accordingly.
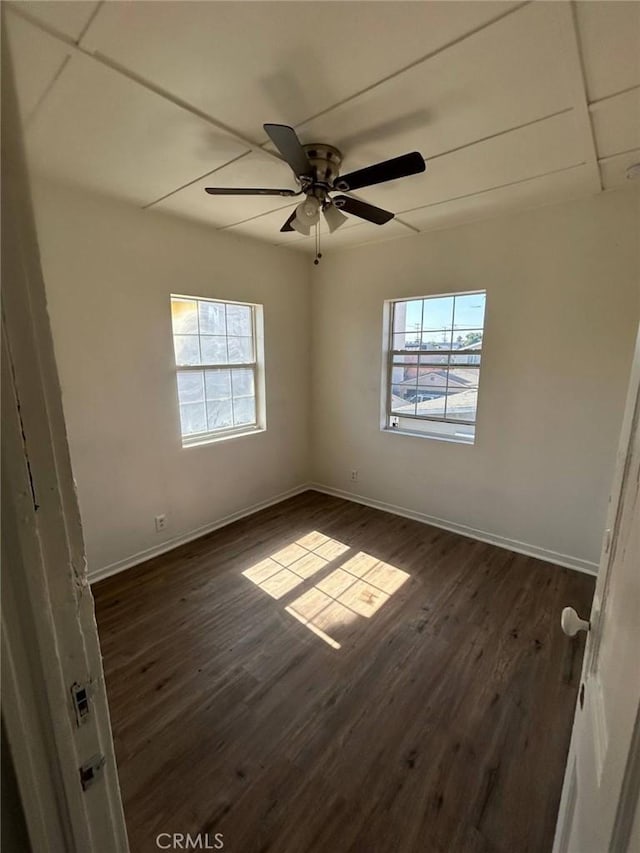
(602, 780)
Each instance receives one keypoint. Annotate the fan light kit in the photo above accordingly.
(317, 171)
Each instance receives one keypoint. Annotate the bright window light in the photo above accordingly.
(433, 366)
(217, 359)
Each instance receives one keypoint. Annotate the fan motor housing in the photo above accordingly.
(325, 161)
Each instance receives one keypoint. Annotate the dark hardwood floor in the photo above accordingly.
(380, 687)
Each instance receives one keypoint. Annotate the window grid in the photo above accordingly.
(232, 368)
(448, 354)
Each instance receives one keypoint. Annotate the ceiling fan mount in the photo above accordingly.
(325, 162)
(316, 168)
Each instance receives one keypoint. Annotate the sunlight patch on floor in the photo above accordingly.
(356, 588)
(290, 566)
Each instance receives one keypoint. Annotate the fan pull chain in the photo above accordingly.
(318, 252)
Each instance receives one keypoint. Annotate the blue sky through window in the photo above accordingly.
(443, 312)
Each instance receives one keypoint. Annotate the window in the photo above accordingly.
(217, 361)
(433, 369)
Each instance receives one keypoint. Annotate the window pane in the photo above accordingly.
(190, 386)
(462, 406)
(398, 374)
(407, 340)
(244, 410)
(434, 359)
(184, 317)
(186, 349)
(441, 380)
(467, 340)
(405, 359)
(438, 313)
(192, 418)
(239, 320)
(240, 350)
(211, 318)
(469, 313)
(434, 408)
(436, 340)
(407, 316)
(219, 414)
(403, 399)
(470, 357)
(464, 377)
(243, 383)
(217, 384)
(214, 349)
(407, 381)
(433, 380)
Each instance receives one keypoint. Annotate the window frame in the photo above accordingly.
(256, 366)
(391, 354)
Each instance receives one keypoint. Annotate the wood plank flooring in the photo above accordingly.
(370, 685)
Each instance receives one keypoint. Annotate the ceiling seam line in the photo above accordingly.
(429, 158)
(195, 180)
(40, 25)
(276, 209)
(593, 105)
(406, 225)
(252, 218)
(451, 226)
(500, 133)
(92, 18)
(259, 147)
(442, 154)
(499, 214)
(496, 187)
(618, 154)
(435, 203)
(575, 30)
(106, 62)
(416, 62)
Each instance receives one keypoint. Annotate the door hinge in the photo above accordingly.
(91, 770)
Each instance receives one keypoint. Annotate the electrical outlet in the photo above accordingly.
(354, 475)
(161, 522)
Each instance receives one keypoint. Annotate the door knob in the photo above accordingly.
(572, 623)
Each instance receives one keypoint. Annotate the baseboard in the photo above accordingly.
(491, 538)
(170, 544)
(565, 560)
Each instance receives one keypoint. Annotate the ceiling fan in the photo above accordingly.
(317, 171)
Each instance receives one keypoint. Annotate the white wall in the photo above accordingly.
(563, 288)
(563, 300)
(109, 269)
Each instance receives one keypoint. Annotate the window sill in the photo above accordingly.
(415, 434)
(199, 441)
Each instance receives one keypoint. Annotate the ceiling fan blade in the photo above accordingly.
(286, 141)
(365, 211)
(287, 225)
(249, 191)
(387, 170)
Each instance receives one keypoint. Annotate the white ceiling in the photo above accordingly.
(512, 104)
